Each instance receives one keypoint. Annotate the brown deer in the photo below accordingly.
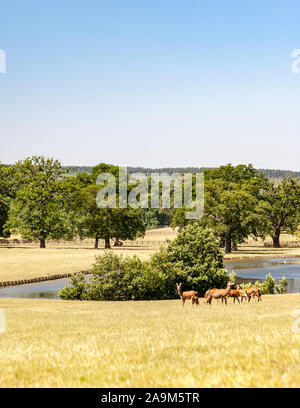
(236, 294)
(219, 294)
(190, 294)
(252, 292)
(242, 292)
(195, 300)
(206, 293)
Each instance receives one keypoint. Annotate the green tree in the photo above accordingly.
(38, 210)
(279, 208)
(103, 223)
(7, 193)
(193, 258)
(231, 198)
(179, 218)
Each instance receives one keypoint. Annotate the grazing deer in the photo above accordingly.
(236, 294)
(252, 292)
(219, 294)
(190, 294)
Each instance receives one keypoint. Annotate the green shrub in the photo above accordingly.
(246, 285)
(268, 285)
(282, 285)
(232, 277)
(193, 258)
(77, 291)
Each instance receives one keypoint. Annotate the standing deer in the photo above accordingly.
(252, 292)
(243, 293)
(218, 294)
(190, 294)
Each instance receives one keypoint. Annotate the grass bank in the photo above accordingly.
(26, 261)
(149, 344)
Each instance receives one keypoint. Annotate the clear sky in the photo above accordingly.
(153, 83)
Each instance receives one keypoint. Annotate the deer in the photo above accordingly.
(243, 293)
(195, 300)
(219, 294)
(252, 292)
(236, 294)
(190, 294)
(206, 293)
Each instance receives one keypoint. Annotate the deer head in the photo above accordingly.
(178, 286)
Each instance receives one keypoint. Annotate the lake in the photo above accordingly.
(248, 270)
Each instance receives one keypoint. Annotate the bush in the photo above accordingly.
(232, 277)
(193, 258)
(282, 286)
(77, 291)
(268, 285)
(118, 278)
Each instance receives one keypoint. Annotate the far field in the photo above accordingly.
(150, 344)
(24, 261)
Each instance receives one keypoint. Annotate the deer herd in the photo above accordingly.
(249, 293)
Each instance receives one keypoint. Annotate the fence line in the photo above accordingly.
(89, 243)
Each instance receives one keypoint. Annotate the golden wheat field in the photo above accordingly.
(150, 344)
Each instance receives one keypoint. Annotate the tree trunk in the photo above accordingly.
(42, 243)
(107, 242)
(276, 242)
(96, 243)
(228, 244)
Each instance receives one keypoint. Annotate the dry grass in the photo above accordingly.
(149, 344)
(27, 261)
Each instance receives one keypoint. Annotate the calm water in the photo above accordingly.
(256, 269)
(250, 270)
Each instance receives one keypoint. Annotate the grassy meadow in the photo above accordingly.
(28, 261)
(150, 344)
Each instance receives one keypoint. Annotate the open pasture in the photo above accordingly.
(150, 344)
(26, 261)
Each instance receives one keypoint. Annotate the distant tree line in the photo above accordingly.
(240, 202)
(270, 173)
(39, 199)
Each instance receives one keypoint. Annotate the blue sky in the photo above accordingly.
(151, 83)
